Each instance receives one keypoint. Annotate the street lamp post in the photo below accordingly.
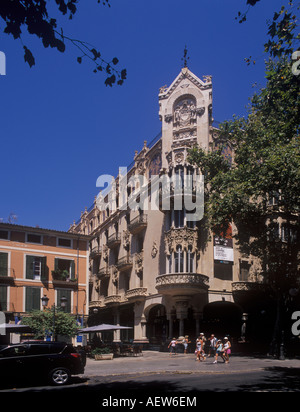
(63, 302)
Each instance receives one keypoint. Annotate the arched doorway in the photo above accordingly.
(157, 325)
(221, 319)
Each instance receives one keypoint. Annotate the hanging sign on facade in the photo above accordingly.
(223, 246)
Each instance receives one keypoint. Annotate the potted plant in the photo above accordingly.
(102, 353)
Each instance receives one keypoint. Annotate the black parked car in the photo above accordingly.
(55, 361)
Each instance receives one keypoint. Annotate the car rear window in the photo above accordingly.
(69, 349)
(38, 349)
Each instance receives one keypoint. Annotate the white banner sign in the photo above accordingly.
(223, 253)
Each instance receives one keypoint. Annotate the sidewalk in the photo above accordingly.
(153, 362)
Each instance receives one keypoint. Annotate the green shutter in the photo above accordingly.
(3, 298)
(3, 264)
(44, 274)
(72, 274)
(36, 298)
(32, 299)
(29, 267)
(67, 294)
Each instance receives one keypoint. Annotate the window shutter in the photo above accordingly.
(32, 299)
(29, 267)
(36, 298)
(3, 264)
(44, 273)
(3, 298)
(72, 268)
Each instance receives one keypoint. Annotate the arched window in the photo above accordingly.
(178, 218)
(178, 258)
(190, 260)
(179, 177)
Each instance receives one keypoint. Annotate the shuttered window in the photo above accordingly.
(3, 298)
(35, 267)
(3, 264)
(67, 294)
(32, 299)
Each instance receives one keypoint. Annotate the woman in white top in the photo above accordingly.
(227, 349)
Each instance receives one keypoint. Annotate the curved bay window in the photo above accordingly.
(181, 261)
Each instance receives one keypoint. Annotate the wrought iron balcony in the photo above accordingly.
(7, 275)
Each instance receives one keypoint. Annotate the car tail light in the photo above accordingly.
(75, 355)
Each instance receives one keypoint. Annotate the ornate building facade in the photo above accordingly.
(151, 267)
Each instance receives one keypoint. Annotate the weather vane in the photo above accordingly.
(185, 58)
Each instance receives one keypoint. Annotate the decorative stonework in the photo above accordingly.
(126, 239)
(155, 164)
(105, 253)
(137, 293)
(185, 113)
(247, 286)
(154, 250)
(114, 274)
(191, 281)
(139, 262)
(183, 237)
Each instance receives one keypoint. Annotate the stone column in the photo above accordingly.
(139, 323)
(181, 312)
(117, 335)
(171, 315)
(197, 317)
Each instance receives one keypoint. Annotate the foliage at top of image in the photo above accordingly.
(33, 16)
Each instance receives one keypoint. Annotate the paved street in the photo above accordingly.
(157, 375)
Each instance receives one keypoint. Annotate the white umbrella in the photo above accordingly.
(102, 327)
(12, 327)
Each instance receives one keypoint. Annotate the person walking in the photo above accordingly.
(212, 345)
(227, 349)
(219, 351)
(186, 343)
(200, 348)
(172, 346)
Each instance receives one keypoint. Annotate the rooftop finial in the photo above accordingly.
(185, 58)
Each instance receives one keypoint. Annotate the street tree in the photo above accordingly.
(52, 322)
(257, 189)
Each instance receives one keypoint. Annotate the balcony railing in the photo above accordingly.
(124, 263)
(103, 273)
(136, 294)
(7, 274)
(183, 283)
(63, 278)
(114, 240)
(113, 299)
(96, 251)
(137, 224)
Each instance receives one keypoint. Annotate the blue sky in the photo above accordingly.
(61, 127)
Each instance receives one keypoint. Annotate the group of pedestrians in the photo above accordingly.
(217, 348)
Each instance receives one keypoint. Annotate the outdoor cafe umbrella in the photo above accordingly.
(102, 327)
(12, 327)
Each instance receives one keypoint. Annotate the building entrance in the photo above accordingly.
(157, 325)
